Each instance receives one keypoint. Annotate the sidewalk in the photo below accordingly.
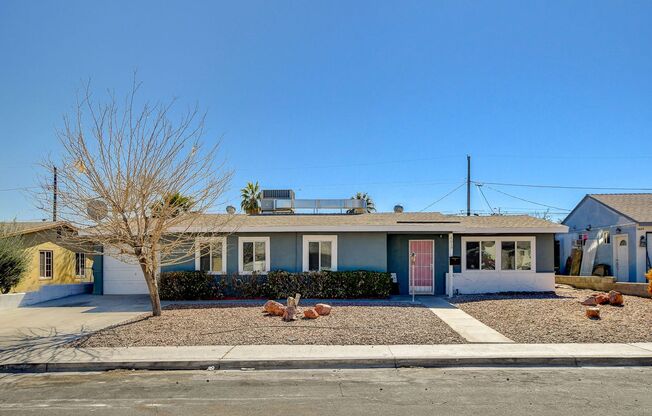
(328, 357)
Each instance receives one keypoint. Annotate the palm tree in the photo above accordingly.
(250, 196)
(364, 196)
(175, 202)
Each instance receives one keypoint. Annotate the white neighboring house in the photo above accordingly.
(621, 224)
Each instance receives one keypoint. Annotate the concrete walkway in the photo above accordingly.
(329, 356)
(461, 322)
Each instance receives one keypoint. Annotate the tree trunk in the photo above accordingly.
(152, 286)
(154, 298)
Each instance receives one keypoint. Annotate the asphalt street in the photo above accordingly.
(460, 392)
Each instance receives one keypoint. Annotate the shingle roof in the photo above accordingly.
(638, 207)
(427, 221)
(26, 227)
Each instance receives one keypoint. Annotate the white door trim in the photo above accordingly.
(616, 244)
(410, 268)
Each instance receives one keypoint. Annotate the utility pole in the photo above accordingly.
(54, 195)
(468, 185)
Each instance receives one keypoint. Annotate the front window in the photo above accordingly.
(80, 264)
(499, 253)
(210, 256)
(516, 255)
(319, 252)
(254, 255)
(45, 264)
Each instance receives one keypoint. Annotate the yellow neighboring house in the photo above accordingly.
(53, 261)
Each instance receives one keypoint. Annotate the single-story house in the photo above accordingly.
(427, 252)
(616, 229)
(56, 267)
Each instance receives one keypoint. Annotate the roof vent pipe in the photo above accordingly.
(398, 208)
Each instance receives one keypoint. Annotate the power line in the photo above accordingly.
(523, 185)
(484, 197)
(525, 200)
(440, 199)
(25, 188)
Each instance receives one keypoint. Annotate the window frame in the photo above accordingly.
(210, 240)
(312, 238)
(45, 266)
(254, 240)
(498, 240)
(82, 269)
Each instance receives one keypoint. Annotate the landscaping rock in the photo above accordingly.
(290, 314)
(593, 313)
(310, 313)
(274, 308)
(615, 298)
(323, 309)
(590, 301)
(602, 298)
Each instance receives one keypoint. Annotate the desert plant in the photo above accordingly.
(648, 276)
(14, 259)
(250, 195)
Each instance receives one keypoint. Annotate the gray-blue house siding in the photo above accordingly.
(374, 251)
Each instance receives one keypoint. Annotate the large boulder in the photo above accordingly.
(273, 307)
(310, 313)
(323, 309)
(593, 312)
(615, 298)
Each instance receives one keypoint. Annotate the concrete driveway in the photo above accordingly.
(25, 331)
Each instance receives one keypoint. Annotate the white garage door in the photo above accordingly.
(122, 278)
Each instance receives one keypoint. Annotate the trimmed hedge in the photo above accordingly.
(331, 285)
(187, 285)
(278, 284)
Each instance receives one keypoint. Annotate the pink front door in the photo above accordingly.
(422, 267)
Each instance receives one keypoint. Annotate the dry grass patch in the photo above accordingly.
(349, 324)
(559, 317)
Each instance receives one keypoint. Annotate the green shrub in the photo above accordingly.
(333, 285)
(242, 286)
(14, 259)
(188, 285)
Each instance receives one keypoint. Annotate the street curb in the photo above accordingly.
(320, 363)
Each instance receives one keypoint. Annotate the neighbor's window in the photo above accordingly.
(210, 256)
(319, 252)
(80, 264)
(516, 255)
(254, 255)
(45, 264)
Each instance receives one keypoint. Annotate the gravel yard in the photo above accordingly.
(239, 325)
(559, 317)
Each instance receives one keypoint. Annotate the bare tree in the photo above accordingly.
(135, 182)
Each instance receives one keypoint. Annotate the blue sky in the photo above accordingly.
(333, 97)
